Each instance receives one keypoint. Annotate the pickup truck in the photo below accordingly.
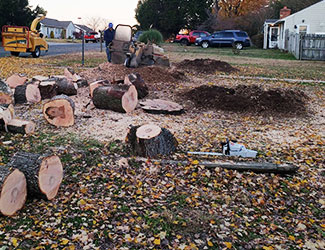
(190, 38)
(92, 37)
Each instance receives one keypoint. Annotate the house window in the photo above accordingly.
(303, 29)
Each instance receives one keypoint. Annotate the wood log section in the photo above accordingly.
(16, 80)
(27, 93)
(119, 98)
(139, 84)
(48, 89)
(59, 111)
(158, 106)
(5, 93)
(95, 85)
(13, 187)
(40, 78)
(18, 126)
(44, 173)
(151, 141)
(66, 87)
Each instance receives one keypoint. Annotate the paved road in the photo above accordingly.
(59, 49)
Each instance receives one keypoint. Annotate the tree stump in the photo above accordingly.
(5, 93)
(119, 98)
(136, 80)
(27, 93)
(16, 80)
(59, 111)
(150, 141)
(158, 106)
(44, 173)
(13, 190)
(66, 87)
(48, 89)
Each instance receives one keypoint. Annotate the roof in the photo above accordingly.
(271, 20)
(84, 27)
(49, 22)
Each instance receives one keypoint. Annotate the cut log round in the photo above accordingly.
(136, 80)
(119, 98)
(44, 174)
(40, 78)
(48, 89)
(95, 85)
(5, 93)
(59, 111)
(18, 126)
(13, 190)
(27, 93)
(158, 106)
(163, 143)
(16, 80)
(66, 87)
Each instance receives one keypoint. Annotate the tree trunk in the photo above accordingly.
(13, 190)
(59, 111)
(18, 126)
(66, 87)
(16, 80)
(139, 84)
(5, 93)
(119, 98)
(44, 174)
(27, 93)
(157, 106)
(48, 89)
(95, 85)
(151, 141)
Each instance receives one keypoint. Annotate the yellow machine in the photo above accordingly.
(17, 39)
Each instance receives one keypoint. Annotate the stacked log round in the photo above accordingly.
(44, 173)
(136, 80)
(5, 93)
(13, 190)
(151, 141)
(27, 93)
(59, 111)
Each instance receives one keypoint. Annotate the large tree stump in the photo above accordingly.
(139, 84)
(48, 89)
(151, 141)
(59, 111)
(5, 93)
(158, 106)
(16, 80)
(66, 87)
(44, 173)
(27, 93)
(119, 98)
(13, 190)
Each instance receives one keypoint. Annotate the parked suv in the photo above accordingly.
(188, 39)
(238, 38)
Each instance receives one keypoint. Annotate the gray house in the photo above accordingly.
(58, 28)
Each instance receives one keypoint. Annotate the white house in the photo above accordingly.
(310, 20)
(58, 28)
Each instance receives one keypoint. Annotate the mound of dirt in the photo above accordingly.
(205, 66)
(251, 99)
(151, 74)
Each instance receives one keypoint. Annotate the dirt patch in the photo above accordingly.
(205, 66)
(251, 99)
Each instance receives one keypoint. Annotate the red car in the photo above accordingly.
(92, 37)
(190, 38)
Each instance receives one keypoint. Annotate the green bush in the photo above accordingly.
(63, 34)
(151, 36)
(52, 34)
(258, 40)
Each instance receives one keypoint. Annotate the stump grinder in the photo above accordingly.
(134, 54)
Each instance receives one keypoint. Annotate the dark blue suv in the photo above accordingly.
(236, 38)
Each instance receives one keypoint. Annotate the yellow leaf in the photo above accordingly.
(228, 245)
(157, 241)
(322, 225)
(210, 244)
(64, 241)
(14, 242)
(268, 248)
(291, 237)
(82, 202)
(195, 162)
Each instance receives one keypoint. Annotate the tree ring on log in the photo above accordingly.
(14, 192)
(130, 99)
(158, 106)
(148, 131)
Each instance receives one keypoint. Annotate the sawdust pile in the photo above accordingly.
(205, 66)
(250, 99)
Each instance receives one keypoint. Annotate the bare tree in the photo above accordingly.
(96, 23)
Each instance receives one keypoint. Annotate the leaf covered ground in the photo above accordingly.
(106, 202)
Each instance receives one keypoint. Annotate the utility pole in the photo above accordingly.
(82, 47)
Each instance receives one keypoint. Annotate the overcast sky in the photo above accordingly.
(116, 11)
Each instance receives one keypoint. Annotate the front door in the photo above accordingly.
(273, 37)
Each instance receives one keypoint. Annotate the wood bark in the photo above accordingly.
(162, 144)
(18, 126)
(44, 173)
(158, 106)
(13, 190)
(139, 84)
(48, 89)
(66, 87)
(97, 84)
(5, 93)
(119, 98)
(16, 80)
(27, 93)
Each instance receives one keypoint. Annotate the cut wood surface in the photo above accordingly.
(59, 111)
(44, 174)
(136, 80)
(13, 190)
(48, 89)
(7, 113)
(18, 126)
(112, 97)
(158, 106)
(163, 143)
(16, 80)
(5, 93)
(27, 93)
(95, 85)
(40, 78)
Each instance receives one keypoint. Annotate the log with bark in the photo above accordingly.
(13, 187)
(18, 126)
(5, 93)
(158, 106)
(59, 111)
(66, 87)
(48, 89)
(136, 80)
(16, 80)
(119, 98)
(97, 84)
(150, 141)
(40, 78)
(27, 93)
(44, 173)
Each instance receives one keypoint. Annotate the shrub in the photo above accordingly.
(63, 34)
(52, 34)
(258, 40)
(152, 36)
